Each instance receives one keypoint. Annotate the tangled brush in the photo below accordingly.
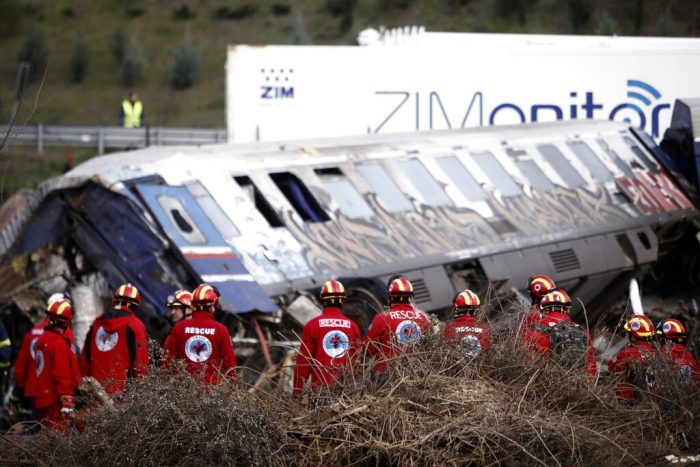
(433, 405)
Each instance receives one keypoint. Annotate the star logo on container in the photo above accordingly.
(276, 83)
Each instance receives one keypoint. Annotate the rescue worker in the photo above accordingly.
(398, 327)
(556, 334)
(131, 113)
(328, 341)
(57, 373)
(631, 363)
(673, 337)
(25, 366)
(201, 342)
(179, 305)
(115, 348)
(537, 286)
(463, 328)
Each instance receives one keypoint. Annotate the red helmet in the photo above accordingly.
(466, 301)
(60, 310)
(556, 300)
(540, 285)
(332, 290)
(179, 298)
(127, 293)
(400, 289)
(671, 329)
(204, 296)
(639, 326)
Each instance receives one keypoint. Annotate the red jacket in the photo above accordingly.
(204, 345)
(393, 330)
(328, 342)
(115, 350)
(473, 337)
(687, 365)
(57, 370)
(537, 338)
(25, 367)
(628, 361)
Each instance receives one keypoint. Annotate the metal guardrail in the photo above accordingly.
(104, 137)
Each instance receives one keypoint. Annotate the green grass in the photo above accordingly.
(96, 101)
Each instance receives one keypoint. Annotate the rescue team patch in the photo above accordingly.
(106, 341)
(471, 346)
(32, 347)
(198, 349)
(335, 343)
(39, 359)
(407, 332)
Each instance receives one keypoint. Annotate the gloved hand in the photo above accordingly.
(67, 406)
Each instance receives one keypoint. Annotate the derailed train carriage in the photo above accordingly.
(590, 203)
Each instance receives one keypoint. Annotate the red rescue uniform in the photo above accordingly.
(204, 345)
(393, 330)
(115, 350)
(537, 337)
(57, 375)
(684, 360)
(328, 344)
(474, 338)
(632, 359)
(25, 367)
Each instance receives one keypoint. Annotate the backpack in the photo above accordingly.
(570, 343)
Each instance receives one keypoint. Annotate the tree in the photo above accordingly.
(35, 51)
(299, 34)
(580, 12)
(80, 59)
(132, 67)
(186, 67)
(118, 45)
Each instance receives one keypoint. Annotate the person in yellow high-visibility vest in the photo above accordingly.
(131, 114)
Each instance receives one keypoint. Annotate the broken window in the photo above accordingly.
(261, 204)
(496, 174)
(460, 176)
(299, 197)
(181, 219)
(351, 203)
(615, 158)
(594, 165)
(429, 189)
(641, 155)
(556, 159)
(388, 194)
(213, 211)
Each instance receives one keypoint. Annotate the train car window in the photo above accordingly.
(213, 211)
(351, 203)
(388, 194)
(591, 161)
(261, 203)
(619, 163)
(181, 219)
(532, 172)
(427, 186)
(556, 159)
(461, 177)
(496, 174)
(640, 154)
(299, 197)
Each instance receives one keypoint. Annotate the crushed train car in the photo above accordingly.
(591, 203)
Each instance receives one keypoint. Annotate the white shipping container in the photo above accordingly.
(448, 80)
